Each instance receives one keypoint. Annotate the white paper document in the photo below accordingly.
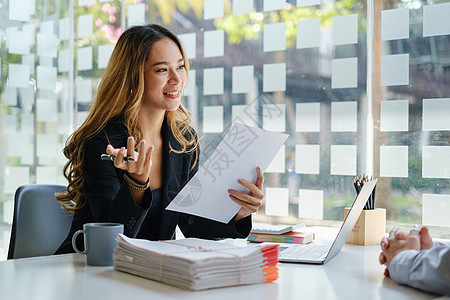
(241, 150)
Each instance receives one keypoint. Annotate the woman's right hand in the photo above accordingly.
(139, 168)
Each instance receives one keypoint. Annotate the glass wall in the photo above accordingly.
(360, 87)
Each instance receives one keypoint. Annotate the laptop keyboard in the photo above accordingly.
(306, 252)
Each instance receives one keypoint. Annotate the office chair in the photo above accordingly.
(39, 225)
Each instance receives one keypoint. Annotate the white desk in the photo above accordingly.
(352, 274)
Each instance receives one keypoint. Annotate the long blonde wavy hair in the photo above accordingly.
(120, 94)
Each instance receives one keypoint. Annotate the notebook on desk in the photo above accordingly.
(320, 254)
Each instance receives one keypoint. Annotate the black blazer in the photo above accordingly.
(108, 198)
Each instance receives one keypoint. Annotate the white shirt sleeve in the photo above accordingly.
(428, 270)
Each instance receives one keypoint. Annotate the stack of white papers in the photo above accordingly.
(196, 264)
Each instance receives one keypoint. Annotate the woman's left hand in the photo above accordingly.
(249, 202)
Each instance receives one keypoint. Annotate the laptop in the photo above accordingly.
(320, 254)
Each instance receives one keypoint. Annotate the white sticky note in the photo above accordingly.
(274, 37)
(245, 114)
(30, 30)
(274, 77)
(104, 53)
(307, 117)
(394, 115)
(26, 96)
(84, 2)
(84, 58)
(343, 160)
(436, 162)
(395, 24)
(435, 210)
(242, 79)
(46, 175)
(63, 123)
(303, 3)
(278, 163)
(344, 73)
(46, 45)
(30, 61)
(277, 202)
(307, 159)
(395, 70)
(45, 61)
(46, 77)
(85, 26)
(21, 10)
(19, 43)
(394, 161)
(136, 14)
(213, 81)
(10, 96)
(27, 123)
(10, 125)
(19, 145)
(242, 7)
(213, 118)
(270, 5)
(344, 116)
(310, 204)
(15, 177)
(18, 75)
(189, 42)
(436, 114)
(64, 29)
(213, 45)
(308, 33)
(84, 91)
(274, 117)
(345, 29)
(213, 9)
(189, 89)
(436, 20)
(46, 110)
(47, 27)
(46, 145)
(64, 60)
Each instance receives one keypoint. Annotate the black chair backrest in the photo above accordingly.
(40, 225)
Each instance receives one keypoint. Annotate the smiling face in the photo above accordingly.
(164, 76)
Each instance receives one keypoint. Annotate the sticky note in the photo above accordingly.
(46, 110)
(307, 159)
(278, 163)
(85, 26)
(64, 123)
(242, 7)
(64, 60)
(46, 175)
(274, 117)
(277, 202)
(27, 123)
(46, 45)
(245, 114)
(46, 77)
(189, 42)
(30, 61)
(136, 14)
(84, 91)
(45, 61)
(307, 117)
(274, 37)
(243, 80)
(436, 209)
(15, 177)
(308, 33)
(344, 73)
(303, 3)
(10, 124)
(213, 43)
(18, 75)
(104, 53)
(47, 27)
(345, 29)
(436, 20)
(343, 160)
(46, 145)
(213, 81)
(213, 118)
(394, 115)
(213, 9)
(274, 77)
(20, 10)
(19, 43)
(395, 24)
(310, 204)
(394, 161)
(84, 58)
(270, 5)
(395, 70)
(344, 116)
(436, 161)
(436, 114)
(64, 29)
(84, 2)
(10, 96)
(190, 88)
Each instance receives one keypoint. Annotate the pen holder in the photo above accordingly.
(370, 227)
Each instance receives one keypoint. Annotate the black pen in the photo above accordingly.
(113, 158)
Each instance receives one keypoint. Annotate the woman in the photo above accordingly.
(138, 108)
